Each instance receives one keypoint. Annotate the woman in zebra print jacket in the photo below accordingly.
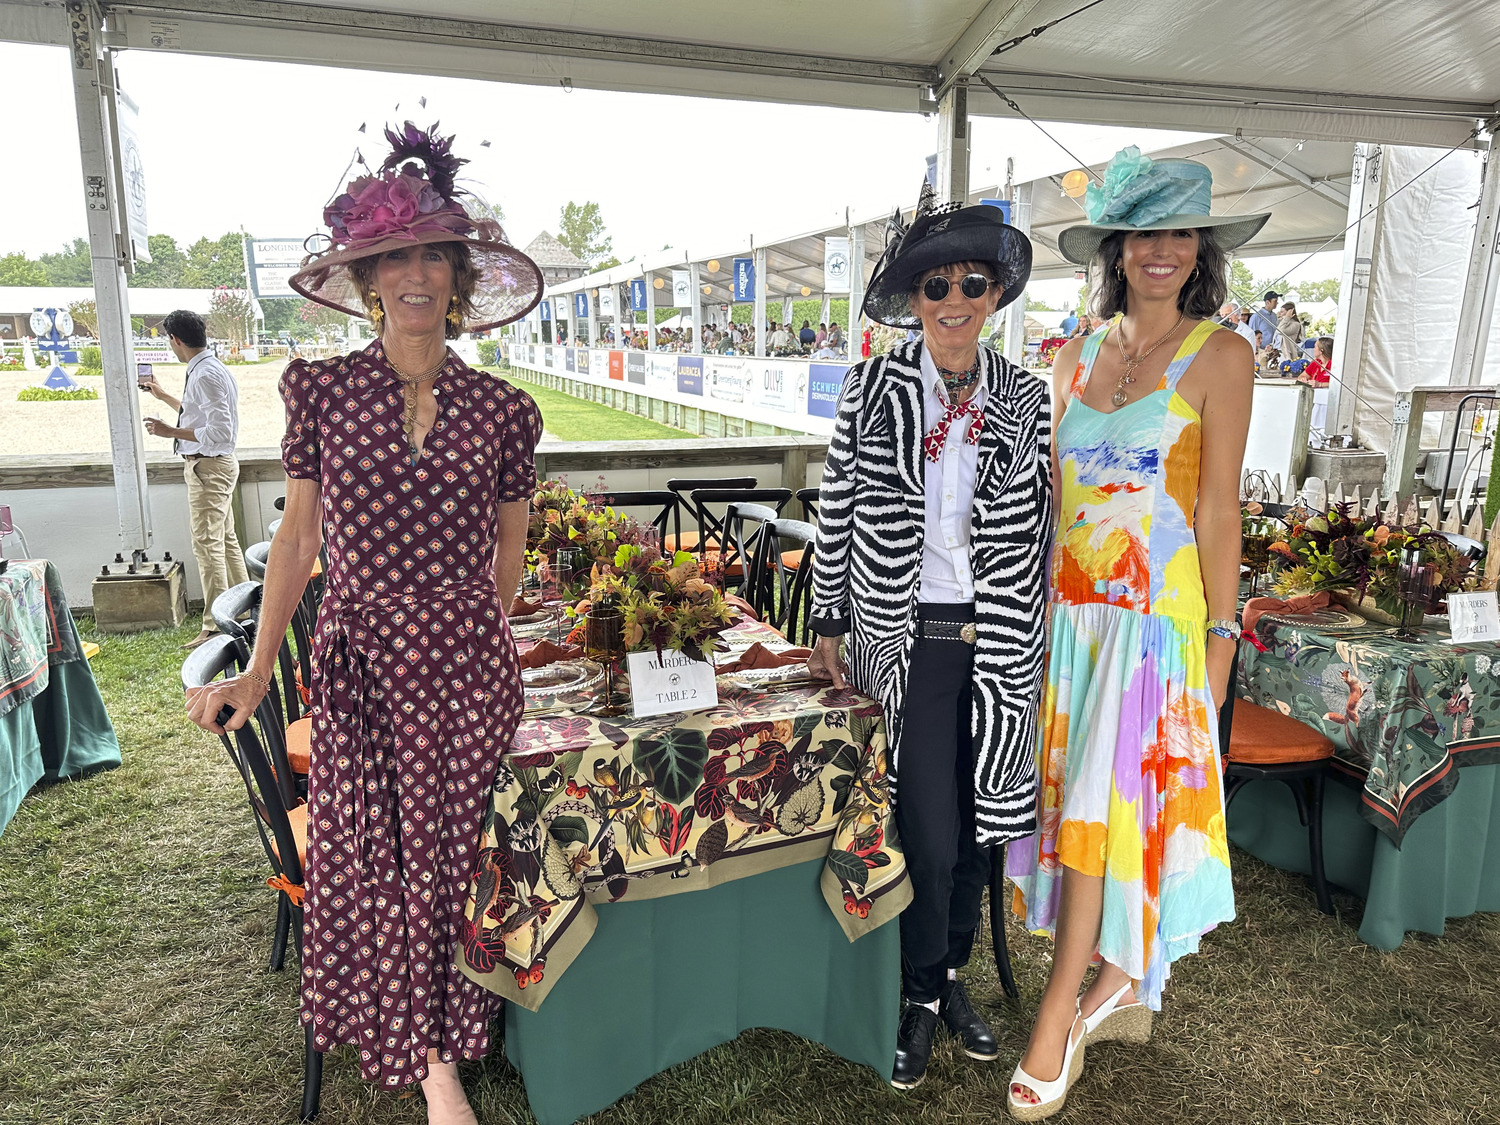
(933, 521)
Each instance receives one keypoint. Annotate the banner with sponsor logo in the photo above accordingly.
(272, 263)
(836, 270)
(690, 375)
(581, 305)
(635, 367)
(607, 301)
(744, 279)
(546, 309)
(781, 386)
(682, 289)
(638, 294)
(617, 365)
(661, 371)
(824, 382)
(548, 357)
(583, 360)
(570, 359)
(728, 379)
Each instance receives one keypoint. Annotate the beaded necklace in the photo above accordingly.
(957, 382)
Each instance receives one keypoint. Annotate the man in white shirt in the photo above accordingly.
(207, 424)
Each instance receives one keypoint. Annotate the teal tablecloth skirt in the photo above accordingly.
(1448, 865)
(665, 979)
(62, 733)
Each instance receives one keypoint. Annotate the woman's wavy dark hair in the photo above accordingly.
(1200, 298)
(465, 280)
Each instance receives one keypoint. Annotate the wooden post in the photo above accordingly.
(1392, 511)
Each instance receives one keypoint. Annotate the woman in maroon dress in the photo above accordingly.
(417, 472)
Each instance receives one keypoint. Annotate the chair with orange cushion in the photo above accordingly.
(683, 488)
(1261, 744)
(279, 817)
(744, 524)
(710, 509)
(786, 590)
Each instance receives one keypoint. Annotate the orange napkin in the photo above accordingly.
(520, 607)
(545, 652)
(759, 656)
(1300, 603)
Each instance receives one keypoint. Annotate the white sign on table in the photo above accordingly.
(661, 685)
(1474, 617)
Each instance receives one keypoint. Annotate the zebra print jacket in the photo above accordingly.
(868, 559)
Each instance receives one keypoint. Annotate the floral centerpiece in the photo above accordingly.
(561, 517)
(1345, 552)
(665, 601)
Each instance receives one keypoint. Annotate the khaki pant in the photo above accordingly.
(221, 563)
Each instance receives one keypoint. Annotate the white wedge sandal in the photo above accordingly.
(1050, 1095)
(1128, 1023)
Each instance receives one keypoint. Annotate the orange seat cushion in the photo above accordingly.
(687, 541)
(298, 819)
(1265, 737)
(299, 746)
(791, 559)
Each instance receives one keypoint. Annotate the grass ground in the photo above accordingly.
(573, 419)
(135, 927)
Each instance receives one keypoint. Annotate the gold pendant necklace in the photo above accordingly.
(410, 383)
(1127, 376)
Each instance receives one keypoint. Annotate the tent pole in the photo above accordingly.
(1478, 309)
(1365, 197)
(953, 144)
(93, 97)
(1015, 314)
(853, 330)
(650, 311)
(695, 285)
(760, 301)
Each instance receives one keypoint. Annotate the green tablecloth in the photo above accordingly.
(1447, 866)
(52, 719)
(1403, 715)
(665, 979)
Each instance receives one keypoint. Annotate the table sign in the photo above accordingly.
(661, 685)
(1474, 617)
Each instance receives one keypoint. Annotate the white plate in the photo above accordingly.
(565, 677)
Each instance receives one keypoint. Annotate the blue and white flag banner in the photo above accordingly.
(744, 279)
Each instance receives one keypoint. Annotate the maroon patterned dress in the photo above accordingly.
(416, 694)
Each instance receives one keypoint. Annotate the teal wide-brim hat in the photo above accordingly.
(1144, 194)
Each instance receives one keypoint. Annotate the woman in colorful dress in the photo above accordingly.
(1130, 859)
(417, 473)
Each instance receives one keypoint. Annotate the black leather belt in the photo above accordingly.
(965, 631)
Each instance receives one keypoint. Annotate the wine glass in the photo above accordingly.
(604, 644)
(564, 572)
(1256, 554)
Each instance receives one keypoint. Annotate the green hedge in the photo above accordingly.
(487, 352)
(91, 358)
(51, 394)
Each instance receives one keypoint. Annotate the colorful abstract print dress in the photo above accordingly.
(416, 694)
(1129, 763)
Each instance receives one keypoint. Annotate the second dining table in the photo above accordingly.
(772, 807)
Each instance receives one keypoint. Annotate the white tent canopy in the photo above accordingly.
(1380, 70)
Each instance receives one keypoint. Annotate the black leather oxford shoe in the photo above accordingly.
(914, 1038)
(965, 1023)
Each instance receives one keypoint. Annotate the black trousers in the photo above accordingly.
(935, 810)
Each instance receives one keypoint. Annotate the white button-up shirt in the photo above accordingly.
(949, 481)
(210, 408)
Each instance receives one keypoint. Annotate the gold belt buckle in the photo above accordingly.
(969, 632)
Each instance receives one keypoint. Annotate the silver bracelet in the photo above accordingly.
(1224, 627)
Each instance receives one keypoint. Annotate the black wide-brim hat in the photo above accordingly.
(967, 234)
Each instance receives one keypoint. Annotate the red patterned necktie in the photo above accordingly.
(937, 437)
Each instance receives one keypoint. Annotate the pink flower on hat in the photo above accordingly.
(391, 204)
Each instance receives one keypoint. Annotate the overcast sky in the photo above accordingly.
(263, 146)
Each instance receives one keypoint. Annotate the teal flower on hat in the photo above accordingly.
(1139, 191)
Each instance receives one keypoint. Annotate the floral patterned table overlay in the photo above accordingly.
(1403, 715)
(588, 811)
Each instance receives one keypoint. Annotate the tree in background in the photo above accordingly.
(581, 230)
(216, 263)
(282, 314)
(230, 315)
(18, 269)
(70, 266)
(85, 318)
(166, 267)
(1033, 305)
(321, 321)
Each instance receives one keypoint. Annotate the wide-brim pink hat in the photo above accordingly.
(404, 206)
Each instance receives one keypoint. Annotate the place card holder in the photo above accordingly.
(671, 682)
(1474, 617)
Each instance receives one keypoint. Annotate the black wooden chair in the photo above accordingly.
(789, 594)
(808, 498)
(683, 488)
(710, 507)
(255, 559)
(1261, 744)
(280, 819)
(744, 525)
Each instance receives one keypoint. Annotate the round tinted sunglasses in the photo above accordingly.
(972, 286)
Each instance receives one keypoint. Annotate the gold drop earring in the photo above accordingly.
(377, 310)
(455, 317)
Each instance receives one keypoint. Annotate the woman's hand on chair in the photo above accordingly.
(825, 663)
(239, 695)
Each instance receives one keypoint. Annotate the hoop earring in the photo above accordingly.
(377, 310)
(1119, 271)
(455, 317)
(1194, 275)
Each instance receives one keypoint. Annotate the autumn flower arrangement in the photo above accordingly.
(665, 601)
(561, 517)
(1345, 552)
